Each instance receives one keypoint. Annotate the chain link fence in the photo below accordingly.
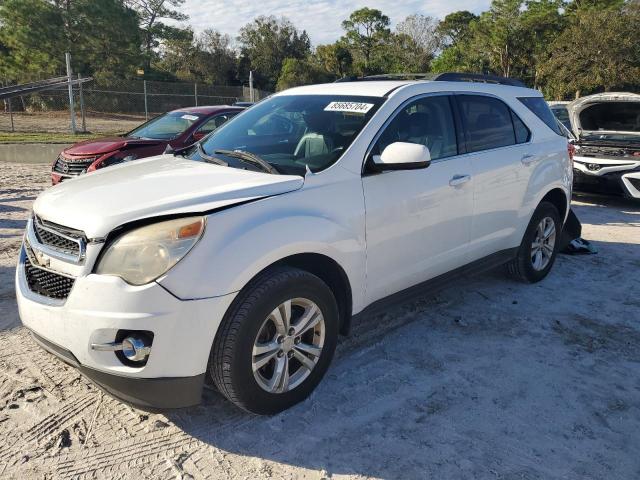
(109, 107)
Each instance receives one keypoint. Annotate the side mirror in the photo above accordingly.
(403, 156)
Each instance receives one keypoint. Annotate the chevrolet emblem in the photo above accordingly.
(42, 259)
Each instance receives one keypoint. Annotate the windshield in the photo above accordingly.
(562, 114)
(292, 132)
(611, 116)
(165, 127)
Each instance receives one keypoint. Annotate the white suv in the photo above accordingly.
(240, 260)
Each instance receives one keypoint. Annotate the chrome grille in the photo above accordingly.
(55, 240)
(58, 238)
(65, 166)
(44, 281)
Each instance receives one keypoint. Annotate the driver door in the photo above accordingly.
(418, 222)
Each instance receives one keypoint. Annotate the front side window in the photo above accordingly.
(214, 123)
(292, 132)
(165, 127)
(487, 123)
(427, 121)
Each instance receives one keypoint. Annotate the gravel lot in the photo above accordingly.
(488, 379)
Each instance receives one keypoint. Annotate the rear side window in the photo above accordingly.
(522, 132)
(487, 123)
(538, 106)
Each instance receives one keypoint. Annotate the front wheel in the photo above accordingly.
(539, 246)
(276, 342)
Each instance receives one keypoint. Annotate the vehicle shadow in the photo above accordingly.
(614, 204)
(8, 306)
(455, 377)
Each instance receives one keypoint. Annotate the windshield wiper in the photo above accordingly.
(209, 158)
(250, 158)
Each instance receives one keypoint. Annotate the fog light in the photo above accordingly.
(135, 348)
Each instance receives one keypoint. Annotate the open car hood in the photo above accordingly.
(162, 185)
(615, 113)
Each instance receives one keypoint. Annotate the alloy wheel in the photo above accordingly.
(288, 345)
(543, 244)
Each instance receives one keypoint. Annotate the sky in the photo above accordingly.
(321, 19)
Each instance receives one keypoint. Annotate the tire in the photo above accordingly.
(526, 266)
(250, 326)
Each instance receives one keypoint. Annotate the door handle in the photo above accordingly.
(458, 180)
(527, 158)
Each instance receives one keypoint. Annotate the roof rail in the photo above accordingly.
(441, 77)
(477, 77)
(387, 76)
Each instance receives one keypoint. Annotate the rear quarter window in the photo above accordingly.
(541, 109)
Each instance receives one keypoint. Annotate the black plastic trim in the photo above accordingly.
(150, 393)
(440, 282)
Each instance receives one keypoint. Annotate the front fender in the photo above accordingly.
(242, 241)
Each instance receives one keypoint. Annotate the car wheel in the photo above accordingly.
(539, 246)
(276, 341)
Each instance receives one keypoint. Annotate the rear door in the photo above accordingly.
(418, 221)
(499, 149)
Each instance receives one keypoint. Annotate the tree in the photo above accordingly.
(154, 31)
(542, 22)
(222, 57)
(335, 59)
(509, 39)
(297, 72)
(206, 58)
(264, 45)
(455, 27)
(414, 44)
(421, 29)
(458, 54)
(367, 32)
(600, 49)
(36, 34)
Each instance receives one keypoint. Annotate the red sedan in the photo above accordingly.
(179, 128)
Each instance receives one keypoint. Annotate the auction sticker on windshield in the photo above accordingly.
(192, 118)
(351, 107)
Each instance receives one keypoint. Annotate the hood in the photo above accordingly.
(162, 185)
(106, 145)
(606, 113)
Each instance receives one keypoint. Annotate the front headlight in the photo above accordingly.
(142, 255)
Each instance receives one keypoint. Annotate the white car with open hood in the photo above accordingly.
(607, 157)
(240, 260)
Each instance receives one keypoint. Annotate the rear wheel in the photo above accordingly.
(539, 246)
(276, 342)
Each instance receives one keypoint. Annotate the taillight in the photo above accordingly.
(571, 148)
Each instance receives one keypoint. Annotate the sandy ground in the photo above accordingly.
(59, 122)
(490, 379)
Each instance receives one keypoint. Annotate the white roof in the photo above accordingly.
(381, 88)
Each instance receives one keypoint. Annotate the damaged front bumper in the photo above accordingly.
(603, 175)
